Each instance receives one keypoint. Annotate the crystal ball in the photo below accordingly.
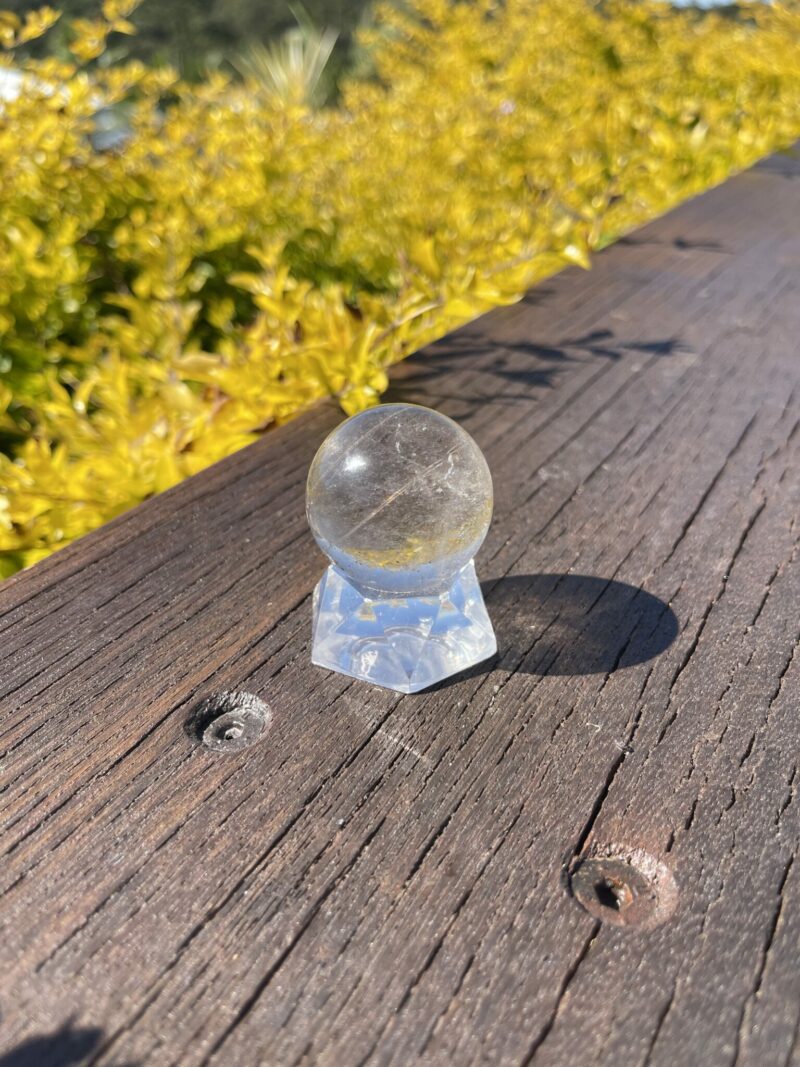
(399, 498)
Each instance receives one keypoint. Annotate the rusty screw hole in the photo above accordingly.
(623, 886)
(230, 721)
(612, 893)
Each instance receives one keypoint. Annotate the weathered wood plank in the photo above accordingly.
(383, 879)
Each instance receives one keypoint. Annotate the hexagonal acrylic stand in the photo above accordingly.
(404, 643)
(399, 498)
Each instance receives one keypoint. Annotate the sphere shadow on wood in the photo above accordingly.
(575, 624)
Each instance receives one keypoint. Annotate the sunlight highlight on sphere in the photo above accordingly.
(399, 497)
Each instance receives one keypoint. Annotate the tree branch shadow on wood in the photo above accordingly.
(574, 624)
(783, 164)
(683, 244)
(516, 374)
(63, 1048)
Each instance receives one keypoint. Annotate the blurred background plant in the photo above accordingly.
(186, 263)
(194, 36)
(295, 70)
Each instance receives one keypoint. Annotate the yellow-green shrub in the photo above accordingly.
(163, 304)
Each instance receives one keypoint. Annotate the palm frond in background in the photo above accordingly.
(293, 70)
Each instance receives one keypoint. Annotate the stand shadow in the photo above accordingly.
(575, 624)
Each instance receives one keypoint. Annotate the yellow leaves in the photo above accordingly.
(358, 397)
(14, 32)
(9, 27)
(89, 39)
(6, 524)
(122, 26)
(90, 35)
(199, 366)
(235, 260)
(460, 309)
(577, 256)
(422, 253)
(37, 23)
(114, 10)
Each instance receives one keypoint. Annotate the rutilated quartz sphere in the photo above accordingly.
(399, 498)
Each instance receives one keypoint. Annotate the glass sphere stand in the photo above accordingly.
(401, 643)
(399, 498)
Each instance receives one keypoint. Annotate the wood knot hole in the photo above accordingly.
(228, 722)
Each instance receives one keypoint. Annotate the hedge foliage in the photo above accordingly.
(163, 304)
(196, 34)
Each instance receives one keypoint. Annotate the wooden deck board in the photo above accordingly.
(384, 879)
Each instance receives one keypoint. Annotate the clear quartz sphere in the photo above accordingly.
(399, 498)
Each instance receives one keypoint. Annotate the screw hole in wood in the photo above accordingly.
(227, 722)
(624, 887)
(612, 893)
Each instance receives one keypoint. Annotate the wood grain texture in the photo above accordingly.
(384, 879)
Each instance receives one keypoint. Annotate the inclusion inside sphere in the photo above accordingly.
(399, 497)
